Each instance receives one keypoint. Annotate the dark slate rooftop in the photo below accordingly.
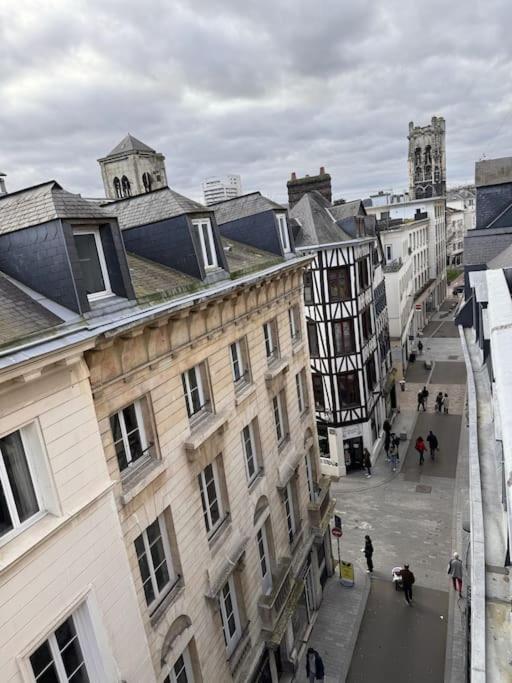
(20, 315)
(152, 207)
(501, 260)
(151, 279)
(482, 246)
(348, 209)
(318, 224)
(129, 144)
(243, 259)
(493, 171)
(244, 206)
(43, 203)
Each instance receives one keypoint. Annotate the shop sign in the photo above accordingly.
(347, 573)
(352, 431)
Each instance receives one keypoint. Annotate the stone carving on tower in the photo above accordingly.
(427, 159)
(131, 168)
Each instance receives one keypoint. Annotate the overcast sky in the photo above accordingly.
(259, 88)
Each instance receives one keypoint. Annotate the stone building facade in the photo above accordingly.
(132, 168)
(427, 159)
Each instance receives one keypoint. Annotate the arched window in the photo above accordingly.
(125, 184)
(117, 187)
(428, 155)
(146, 181)
(428, 191)
(419, 193)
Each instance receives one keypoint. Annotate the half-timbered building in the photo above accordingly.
(347, 328)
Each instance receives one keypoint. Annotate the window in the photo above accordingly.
(371, 372)
(209, 486)
(362, 267)
(18, 496)
(230, 616)
(264, 555)
(318, 391)
(338, 283)
(309, 475)
(146, 181)
(155, 563)
(283, 232)
(279, 406)
(68, 654)
(195, 388)
(271, 343)
(300, 384)
(388, 252)
(239, 361)
(117, 187)
(250, 447)
(290, 512)
(204, 228)
(348, 389)
(314, 350)
(125, 185)
(343, 337)
(309, 297)
(93, 266)
(366, 323)
(294, 320)
(128, 431)
(181, 672)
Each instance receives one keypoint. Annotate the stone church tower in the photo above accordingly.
(132, 168)
(427, 159)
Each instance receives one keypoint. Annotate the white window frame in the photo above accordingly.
(240, 360)
(253, 456)
(206, 504)
(231, 640)
(300, 380)
(101, 258)
(264, 559)
(204, 225)
(187, 662)
(279, 417)
(203, 398)
(124, 434)
(17, 525)
(159, 594)
(293, 318)
(291, 523)
(89, 641)
(283, 232)
(271, 344)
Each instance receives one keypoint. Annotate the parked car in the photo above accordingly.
(458, 290)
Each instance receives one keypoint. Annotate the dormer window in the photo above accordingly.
(92, 263)
(204, 229)
(283, 232)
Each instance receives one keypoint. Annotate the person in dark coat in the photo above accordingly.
(407, 581)
(433, 444)
(425, 397)
(314, 666)
(420, 347)
(367, 462)
(439, 402)
(421, 448)
(368, 553)
(395, 440)
(421, 401)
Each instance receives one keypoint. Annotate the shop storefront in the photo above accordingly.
(353, 447)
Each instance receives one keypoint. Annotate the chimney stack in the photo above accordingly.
(298, 187)
(322, 170)
(3, 189)
(294, 175)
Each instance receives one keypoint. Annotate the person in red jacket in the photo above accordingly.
(420, 447)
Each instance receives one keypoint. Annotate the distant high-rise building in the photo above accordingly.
(132, 168)
(427, 159)
(218, 189)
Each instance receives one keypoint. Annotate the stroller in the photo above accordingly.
(396, 578)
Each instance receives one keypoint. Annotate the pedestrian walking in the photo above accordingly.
(396, 440)
(367, 462)
(446, 404)
(407, 582)
(421, 401)
(314, 666)
(439, 402)
(420, 447)
(368, 553)
(386, 427)
(392, 455)
(420, 347)
(433, 444)
(455, 571)
(425, 397)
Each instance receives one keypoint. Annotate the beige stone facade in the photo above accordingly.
(148, 363)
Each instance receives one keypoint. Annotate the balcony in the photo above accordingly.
(271, 606)
(320, 510)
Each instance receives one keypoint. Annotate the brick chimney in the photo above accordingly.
(298, 187)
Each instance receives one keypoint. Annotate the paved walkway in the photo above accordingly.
(409, 516)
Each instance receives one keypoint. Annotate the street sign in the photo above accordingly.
(337, 533)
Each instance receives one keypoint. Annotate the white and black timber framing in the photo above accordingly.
(324, 313)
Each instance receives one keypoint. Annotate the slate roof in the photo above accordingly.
(150, 278)
(348, 209)
(501, 260)
(317, 222)
(482, 246)
(243, 258)
(43, 203)
(20, 315)
(152, 207)
(244, 206)
(129, 144)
